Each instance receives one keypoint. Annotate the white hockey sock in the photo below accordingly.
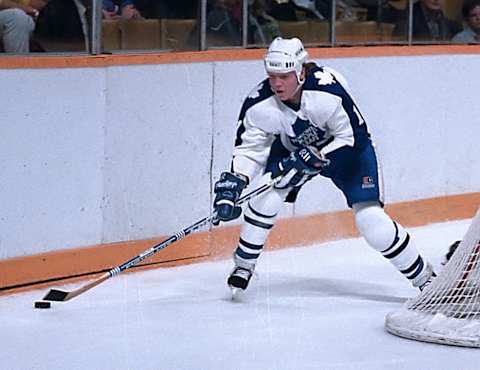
(259, 217)
(392, 241)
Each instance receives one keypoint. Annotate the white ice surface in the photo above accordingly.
(320, 307)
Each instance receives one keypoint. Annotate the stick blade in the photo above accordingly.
(56, 295)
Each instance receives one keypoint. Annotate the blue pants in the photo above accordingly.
(354, 171)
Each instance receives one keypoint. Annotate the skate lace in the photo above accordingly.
(242, 273)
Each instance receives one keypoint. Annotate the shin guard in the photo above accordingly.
(392, 241)
(259, 218)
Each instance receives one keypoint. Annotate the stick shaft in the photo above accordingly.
(58, 295)
(184, 232)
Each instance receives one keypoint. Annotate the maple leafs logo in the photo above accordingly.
(255, 93)
(324, 78)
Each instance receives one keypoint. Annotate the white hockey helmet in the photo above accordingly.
(285, 55)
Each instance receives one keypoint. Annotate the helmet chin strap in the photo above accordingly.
(301, 81)
(300, 84)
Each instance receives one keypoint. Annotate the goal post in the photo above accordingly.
(448, 310)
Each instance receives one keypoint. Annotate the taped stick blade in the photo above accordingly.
(56, 295)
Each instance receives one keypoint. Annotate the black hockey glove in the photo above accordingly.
(228, 190)
(299, 167)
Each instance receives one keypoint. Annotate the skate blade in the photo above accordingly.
(236, 294)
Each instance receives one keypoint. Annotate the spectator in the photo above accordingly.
(429, 23)
(293, 10)
(223, 23)
(471, 15)
(263, 28)
(59, 24)
(120, 9)
(381, 10)
(283, 10)
(17, 22)
(311, 7)
(322, 9)
(170, 9)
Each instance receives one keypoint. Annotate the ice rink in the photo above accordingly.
(320, 307)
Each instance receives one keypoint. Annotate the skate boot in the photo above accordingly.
(239, 278)
(428, 282)
(425, 278)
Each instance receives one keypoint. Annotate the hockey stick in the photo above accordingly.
(62, 296)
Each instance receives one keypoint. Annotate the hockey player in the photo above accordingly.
(300, 122)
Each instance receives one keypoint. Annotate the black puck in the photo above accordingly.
(42, 304)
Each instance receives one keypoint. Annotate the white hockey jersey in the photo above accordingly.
(326, 118)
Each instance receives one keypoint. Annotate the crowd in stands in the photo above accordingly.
(429, 23)
(20, 19)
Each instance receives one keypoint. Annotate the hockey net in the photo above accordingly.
(448, 310)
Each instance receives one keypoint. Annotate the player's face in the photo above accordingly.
(284, 85)
(474, 18)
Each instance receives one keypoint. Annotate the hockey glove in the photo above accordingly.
(299, 167)
(228, 190)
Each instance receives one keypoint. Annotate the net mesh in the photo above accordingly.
(448, 310)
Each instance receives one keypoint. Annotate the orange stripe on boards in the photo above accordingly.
(88, 260)
(221, 242)
(440, 209)
(106, 60)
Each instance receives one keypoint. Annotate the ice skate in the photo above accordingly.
(425, 278)
(428, 282)
(239, 279)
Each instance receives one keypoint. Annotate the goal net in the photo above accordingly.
(448, 310)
